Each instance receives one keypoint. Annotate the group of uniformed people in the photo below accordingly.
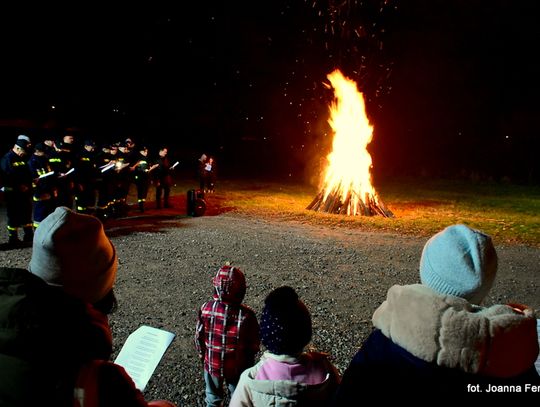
(37, 179)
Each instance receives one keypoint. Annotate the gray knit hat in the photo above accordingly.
(459, 261)
(71, 250)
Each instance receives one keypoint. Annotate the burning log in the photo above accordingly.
(347, 180)
(369, 206)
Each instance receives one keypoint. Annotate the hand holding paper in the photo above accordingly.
(142, 352)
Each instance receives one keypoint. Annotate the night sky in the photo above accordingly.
(451, 87)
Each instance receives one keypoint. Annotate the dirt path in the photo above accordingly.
(167, 262)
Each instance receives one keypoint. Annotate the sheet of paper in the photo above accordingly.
(142, 352)
(107, 167)
(48, 174)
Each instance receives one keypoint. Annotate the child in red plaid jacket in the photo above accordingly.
(227, 334)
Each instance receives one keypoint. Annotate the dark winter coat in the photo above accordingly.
(426, 343)
(45, 338)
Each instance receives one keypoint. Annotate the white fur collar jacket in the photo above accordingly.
(498, 341)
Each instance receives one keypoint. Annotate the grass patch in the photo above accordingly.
(509, 213)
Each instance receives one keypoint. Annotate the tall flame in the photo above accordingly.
(347, 175)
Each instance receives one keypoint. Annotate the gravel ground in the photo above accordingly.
(167, 261)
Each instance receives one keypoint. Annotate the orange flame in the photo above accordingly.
(348, 172)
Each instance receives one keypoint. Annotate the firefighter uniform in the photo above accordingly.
(86, 174)
(60, 161)
(162, 178)
(123, 179)
(142, 170)
(105, 161)
(17, 180)
(44, 184)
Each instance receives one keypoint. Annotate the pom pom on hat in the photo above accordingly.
(71, 250)
(459, 261)
(285, 322)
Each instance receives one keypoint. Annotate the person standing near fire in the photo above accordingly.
(86, 175)
(162, 178)
(44, 184)
(123, 179)
(209, 175)
(105, 161)
(61, 162)
(17, 180)
(141, 170)
(201, 162)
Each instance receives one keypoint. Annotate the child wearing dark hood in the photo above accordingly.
(286, 375)
(227, 334)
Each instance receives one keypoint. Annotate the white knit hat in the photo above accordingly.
(459, 261)
(71, 250)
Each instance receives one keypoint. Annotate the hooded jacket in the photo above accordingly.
(254, 391)
(227, 331)
(428, 342)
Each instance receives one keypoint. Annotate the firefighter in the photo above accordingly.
(105, 161)
(61, 161)
(44, 184)
(162, 178)
(141, 170)
(123, 175)
(86, 175)
(17, 180)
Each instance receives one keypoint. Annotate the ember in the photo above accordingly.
(347, 187)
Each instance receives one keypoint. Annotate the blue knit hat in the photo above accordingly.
(285, 322)
(459, 261)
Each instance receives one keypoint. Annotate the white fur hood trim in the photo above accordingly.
(496, 341)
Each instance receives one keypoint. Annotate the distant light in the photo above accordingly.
(507, 137)
(53, 107)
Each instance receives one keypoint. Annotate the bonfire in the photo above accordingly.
(347, 188)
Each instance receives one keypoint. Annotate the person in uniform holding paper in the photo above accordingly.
(105, 161)
(44, 184)
(61, 162)
(56, 337)
(162, 178)
(142, 169)
(227, 334)
(85, 176)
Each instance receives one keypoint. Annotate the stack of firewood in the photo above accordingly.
(352, 205)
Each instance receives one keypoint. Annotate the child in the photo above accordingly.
(286, 375)
(435, 338)
(227, 335)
